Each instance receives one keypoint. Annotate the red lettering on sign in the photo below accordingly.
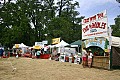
(85, 29)
(103, 25)
(98, 25)
(95, 33)
(86, 20)
(100, 15)
(93, 18)
(95, 25)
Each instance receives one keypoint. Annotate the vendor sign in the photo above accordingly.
(45, 42)
(39, 44)
(16, 45)
(96, 41)
(95, 26)
(55, 40)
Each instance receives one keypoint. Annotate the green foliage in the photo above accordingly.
(116, 27)
(58, 20)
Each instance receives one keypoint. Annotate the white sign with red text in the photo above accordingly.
(95, 26)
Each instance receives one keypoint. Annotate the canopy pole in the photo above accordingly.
(78, 49)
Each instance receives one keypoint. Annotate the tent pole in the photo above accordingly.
(78, 49)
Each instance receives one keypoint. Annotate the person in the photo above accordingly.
(33, 53)
(1, 52)
(90, 55)
(57, 57)
(17, 53)
(45, 49)
(54, 53)
(84, 57)
(38, 54)
(71, 58)
(96, 53)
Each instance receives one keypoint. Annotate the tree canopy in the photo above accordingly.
(26, 21)
(116, 27)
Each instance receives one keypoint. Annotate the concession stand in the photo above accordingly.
(43, 48)
(96, 35)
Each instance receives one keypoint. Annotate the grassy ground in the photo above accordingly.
(44, 69)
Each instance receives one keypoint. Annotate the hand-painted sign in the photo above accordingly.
(95, 26)
(97, 41)
(55, 40)
(100, 42)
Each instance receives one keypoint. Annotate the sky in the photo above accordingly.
(89, 8)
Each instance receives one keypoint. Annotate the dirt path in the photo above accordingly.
(40, 69)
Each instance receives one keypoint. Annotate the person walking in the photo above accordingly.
(84, 57)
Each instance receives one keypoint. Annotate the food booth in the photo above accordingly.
(20, 48)
(45, 53)
(96, 35)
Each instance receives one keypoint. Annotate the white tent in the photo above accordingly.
(22, 45)
(62, 44)
(52, 46)
(116, 41)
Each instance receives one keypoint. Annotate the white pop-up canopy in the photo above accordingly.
(115, 41)
(62, 44)
(22, 45)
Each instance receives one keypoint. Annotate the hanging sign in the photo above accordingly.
(55, 40)
(95, 26)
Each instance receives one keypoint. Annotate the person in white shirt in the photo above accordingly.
(90, 55)
(45, 49)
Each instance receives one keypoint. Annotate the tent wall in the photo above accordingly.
(115, 57)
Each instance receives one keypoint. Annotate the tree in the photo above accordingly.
(116, 27)
(118, 1)
(15, 23)
(58, 20)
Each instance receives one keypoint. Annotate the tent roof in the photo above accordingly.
(78, 42)
(62, 44)
(22, 45)
(37, 47)
(115, 41)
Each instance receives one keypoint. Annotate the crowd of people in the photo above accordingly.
(87, 58)
(87, 55)
(18, 52)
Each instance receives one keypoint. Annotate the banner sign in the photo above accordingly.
(45, 42)
(16, 45)
(55, 40)
(95, 42)
(95, 26)
(39, 44)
